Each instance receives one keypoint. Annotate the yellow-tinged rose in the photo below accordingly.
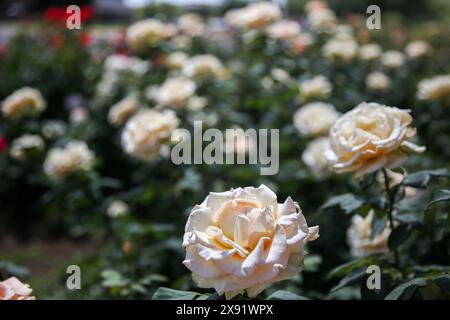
(244, 240)
(13, 289)
(23, 102)
(370, 137)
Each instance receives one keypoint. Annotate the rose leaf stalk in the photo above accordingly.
(390, 195)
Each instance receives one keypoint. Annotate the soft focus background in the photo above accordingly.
(122, 220)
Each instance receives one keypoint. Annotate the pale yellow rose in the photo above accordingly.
(314, 157)
(192, 24)
(149, 32)
(254, 16)
(13, 289)
(340, 49)
(175, 92)
(377, 81)
(23, 102)
(322, 19)
(244, 240)
(418, 49)
(370, 137)
(283, 30)
(176, 59)
(315, 118)
(147, 133)
(26, 143)
(117, 208)
(204, 65)
(75, 156)
(122, 110)
(358, 237)
(434, 89)
(370, 52)
(315, 88)
(393, 59)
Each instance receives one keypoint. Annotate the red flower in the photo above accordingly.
(60, 14)
(3, 143)
(85, 39)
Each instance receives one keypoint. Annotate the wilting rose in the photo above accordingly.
(358, 237)
(370, 137)
(314, 157)
(147, 132)
(393, 59)
(13, 289)
(175, 92)
(75, 156)
(149, 32)
(254, 16)
(377, 81)
(435, 89)
(315, 118)
(418, 49)
(122, 110)
(283, 30)
(243, 240)
(23, 102)
(204, 65)
(24, 145)
(315, 88)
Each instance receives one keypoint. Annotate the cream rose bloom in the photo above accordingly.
(149, 32)
(147, 133)
(176, 60)
(358, 237)
(204, 65)
(243, 240)
(254, 16)
(322, 19)
(23, 102)
(75, 156)
(21, 146)
(393, 59)
(377, 81)
(122, 110)
(283, 30)
(434, 89)
(175, 92)
(13, 289)
(370, 52)
(340, 49)
(192, 24)
(117, 208)
(370, 137)
(315, 118)
(314, 157)
(317, 87)
(117, 63)
(418, 49)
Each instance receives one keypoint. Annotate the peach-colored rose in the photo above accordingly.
(13, 289)
(244, 240)
(370, 137)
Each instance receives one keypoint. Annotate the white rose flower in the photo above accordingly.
(197, 103)
(23, 102)
(315, 118)
(122, 110)
(176, 59)
(370, 137)
(192, 24)
(338, 49)
(120, 63)
(149, 32)
(204, 65)
(283, 30)
(244, 240)
(393, 59)
(377, 81)
(75, 156)
(117, 208)
(315, 88)
(26, 143)
(434, 89)
(322, 19)
(147, 133)
(418, 49)
(358, 237)
(314, 156)
(370, 52)
(175, 92)
(254, 16)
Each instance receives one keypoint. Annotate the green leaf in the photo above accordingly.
(351, 278)
(112, 278)
(348, 203)
(345, 268)
(399, 235)
(443, 195)
(400, 290)
(163, 293)
(285, 295)
(422, 178)
(378, 226)
(443, 282)
(312, 262)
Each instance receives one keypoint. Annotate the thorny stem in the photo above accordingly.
(391, 201)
